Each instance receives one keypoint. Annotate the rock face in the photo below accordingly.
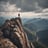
(12, 35)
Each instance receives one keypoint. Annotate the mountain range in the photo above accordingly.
(38, 26)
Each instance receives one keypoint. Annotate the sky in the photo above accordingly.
(27, 8)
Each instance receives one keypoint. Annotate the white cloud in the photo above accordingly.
(24, 14)
(7, 7)
(45, 10)
(14, 11)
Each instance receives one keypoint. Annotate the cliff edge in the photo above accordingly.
(12, 35)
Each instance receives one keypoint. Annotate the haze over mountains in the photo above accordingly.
(40, 27)
(38, 23)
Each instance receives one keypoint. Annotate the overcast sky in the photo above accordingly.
(26, 7)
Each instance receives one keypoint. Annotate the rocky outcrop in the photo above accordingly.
(12, 34)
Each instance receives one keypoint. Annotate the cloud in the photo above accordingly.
(24, 5)
(24, 14)
(30, 8)
(43, 3)
(7, 7)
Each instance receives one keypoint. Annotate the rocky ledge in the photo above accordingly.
(12, 35)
